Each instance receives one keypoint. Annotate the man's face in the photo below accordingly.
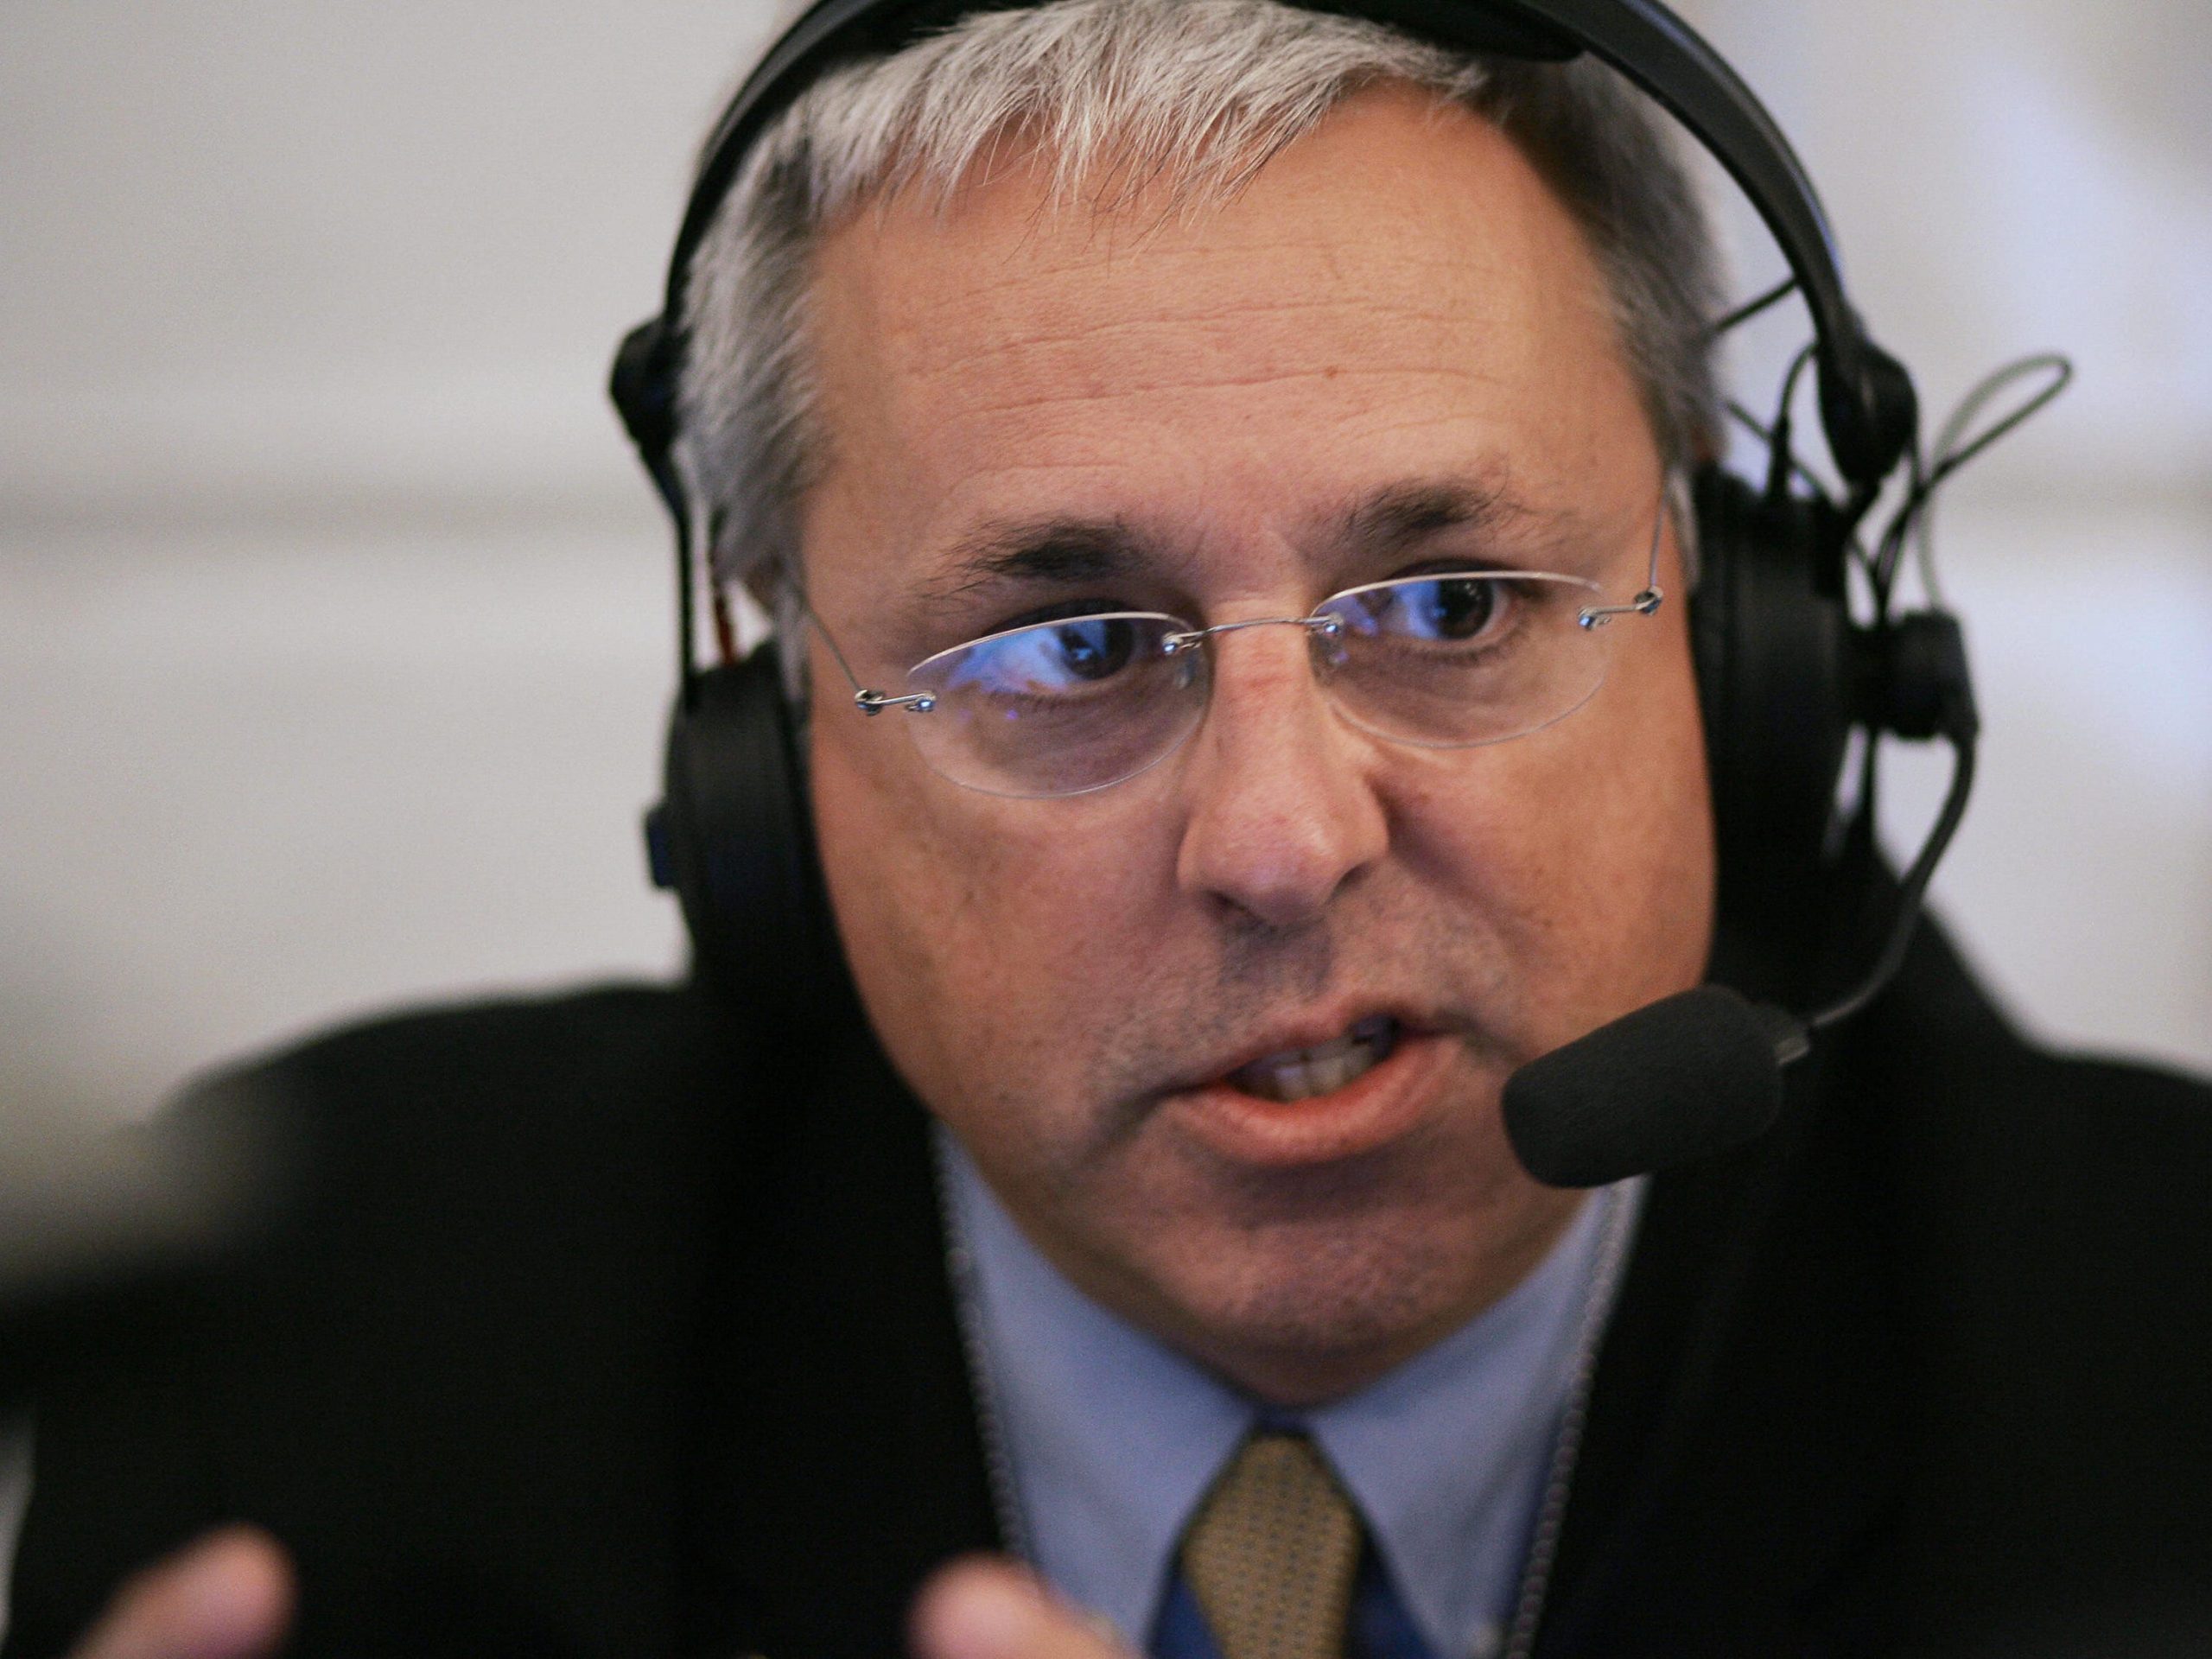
(1224, 417)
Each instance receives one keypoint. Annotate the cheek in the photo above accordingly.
(1585, 850)
(1642, 825)
(982, 934)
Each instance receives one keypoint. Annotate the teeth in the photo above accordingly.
(1294, 1074)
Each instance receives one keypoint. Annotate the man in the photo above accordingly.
(1155, 392)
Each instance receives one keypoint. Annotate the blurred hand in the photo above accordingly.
(229, 1596)
(989, 1609)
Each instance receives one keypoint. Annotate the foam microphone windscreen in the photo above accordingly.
(1696, 1074)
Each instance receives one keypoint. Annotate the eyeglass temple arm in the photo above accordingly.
(1645, 603)
(867, 701)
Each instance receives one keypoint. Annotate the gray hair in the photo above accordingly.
(1191, 96)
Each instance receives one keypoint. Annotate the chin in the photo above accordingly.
(1301, 1309)
(1307, 1326)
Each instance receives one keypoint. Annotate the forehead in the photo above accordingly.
(1396, 300)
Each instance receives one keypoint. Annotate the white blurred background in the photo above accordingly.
(334, 610)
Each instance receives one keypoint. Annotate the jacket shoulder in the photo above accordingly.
(517, 1098)
(545, 1047)
(2053, 1218)
(457, 1330)
(1990, 1124)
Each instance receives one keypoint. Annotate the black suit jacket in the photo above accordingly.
(587, 1331)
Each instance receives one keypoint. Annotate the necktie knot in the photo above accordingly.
(1271, 1553)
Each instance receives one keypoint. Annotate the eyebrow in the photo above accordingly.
(1397, 516)
(1056, 549)
(1068, 551)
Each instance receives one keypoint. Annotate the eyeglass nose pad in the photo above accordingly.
(1325, 638)
(1189, 664)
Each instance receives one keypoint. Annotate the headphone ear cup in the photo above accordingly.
(1771, 636)
(734, 838)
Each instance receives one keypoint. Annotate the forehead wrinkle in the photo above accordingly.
(1083, 397)
(1049, 247)
(1086, 335)
(1022, 298)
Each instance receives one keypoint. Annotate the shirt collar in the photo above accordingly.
(1112, 1437)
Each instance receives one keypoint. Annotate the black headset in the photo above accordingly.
(1784, 673)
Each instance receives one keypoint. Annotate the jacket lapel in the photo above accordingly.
(1741, 1460)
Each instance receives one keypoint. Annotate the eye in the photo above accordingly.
(1454, 608)
(1047, 659)
(1448, 610)
(1094, 647)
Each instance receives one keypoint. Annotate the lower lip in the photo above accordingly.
(1381, 1105)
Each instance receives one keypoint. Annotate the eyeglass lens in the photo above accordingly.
(1454, 660)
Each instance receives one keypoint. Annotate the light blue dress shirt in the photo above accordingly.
(1111, 1437)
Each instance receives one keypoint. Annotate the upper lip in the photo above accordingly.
(1311, 1031)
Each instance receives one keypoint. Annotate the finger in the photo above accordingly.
(985, 1609)
(229, 1596)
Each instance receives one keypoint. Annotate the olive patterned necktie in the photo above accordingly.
(1271, 1553)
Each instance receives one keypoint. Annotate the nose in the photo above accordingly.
(1281, 811)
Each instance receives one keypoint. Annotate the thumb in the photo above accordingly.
(982, 1608)
(229, 1596)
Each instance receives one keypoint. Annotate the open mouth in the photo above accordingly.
(1294, 1074)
